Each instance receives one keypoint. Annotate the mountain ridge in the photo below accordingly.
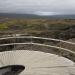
(34, 16)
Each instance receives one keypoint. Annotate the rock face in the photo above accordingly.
(72, 40)
(67, 33)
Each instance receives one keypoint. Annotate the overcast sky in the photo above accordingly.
(39, 7)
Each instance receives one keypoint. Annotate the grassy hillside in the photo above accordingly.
(39, 27)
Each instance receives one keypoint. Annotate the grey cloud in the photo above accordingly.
(35, 6)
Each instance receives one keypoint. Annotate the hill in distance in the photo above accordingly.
(33, 16)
